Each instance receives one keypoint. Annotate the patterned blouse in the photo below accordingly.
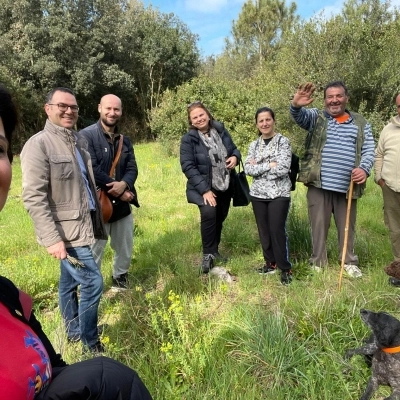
(269, 183)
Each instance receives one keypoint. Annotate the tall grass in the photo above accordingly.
(194, 337)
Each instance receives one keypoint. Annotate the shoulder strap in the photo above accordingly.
(118, 155)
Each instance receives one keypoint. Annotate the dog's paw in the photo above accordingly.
(348, 354)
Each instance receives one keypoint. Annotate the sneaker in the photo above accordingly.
(120, 283)
(96, 350)
(394, 282)
(315, 268)
(219, 258)
(352, 270)
(286, 277)
(208, 263)
(267, 268)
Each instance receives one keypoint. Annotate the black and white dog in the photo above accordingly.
(384, 348)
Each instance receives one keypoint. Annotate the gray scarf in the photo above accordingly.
(218, 154)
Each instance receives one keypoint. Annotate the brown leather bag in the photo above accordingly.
(104, 200)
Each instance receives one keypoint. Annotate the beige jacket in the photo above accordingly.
(54, 192)
(387, 155)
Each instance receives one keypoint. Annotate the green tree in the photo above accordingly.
(260, 27)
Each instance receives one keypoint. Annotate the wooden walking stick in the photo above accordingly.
(346, 232)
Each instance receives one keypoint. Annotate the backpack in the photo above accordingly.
(294, 168)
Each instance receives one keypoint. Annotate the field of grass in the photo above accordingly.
(194, 337)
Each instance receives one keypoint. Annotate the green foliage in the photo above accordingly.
(260, 27)
(93, 47)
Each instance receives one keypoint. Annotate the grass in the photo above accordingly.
(193, 337)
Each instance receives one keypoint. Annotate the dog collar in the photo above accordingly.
(391, 350)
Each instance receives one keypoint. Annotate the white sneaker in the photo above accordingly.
(352, 270)
(315, 268)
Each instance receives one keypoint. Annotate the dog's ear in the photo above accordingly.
(385, 327)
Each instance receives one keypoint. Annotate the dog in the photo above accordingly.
(384, 348)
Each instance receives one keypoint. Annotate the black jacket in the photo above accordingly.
(102, 153)
(196, 164)
(10, 297)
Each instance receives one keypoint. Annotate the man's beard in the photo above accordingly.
(109, 124)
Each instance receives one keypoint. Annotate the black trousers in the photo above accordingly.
(100, 378)
(211, 220)
(271, 218)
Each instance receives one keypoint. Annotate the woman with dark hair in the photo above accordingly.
(268, 162)
(208, 156)
(29, 366)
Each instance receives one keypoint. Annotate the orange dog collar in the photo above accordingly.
(391, 350)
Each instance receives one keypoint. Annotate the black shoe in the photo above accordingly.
(208, 263)
(121, 282)
(73, 339)
(96, 350)
(286, 277)
(394, 282)
(267, 268)
(219, 258)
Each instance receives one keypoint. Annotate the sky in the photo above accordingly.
(212, 20)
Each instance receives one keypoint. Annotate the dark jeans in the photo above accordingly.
(100, 378)
(271, 218)
(80, 319)
(212, 219)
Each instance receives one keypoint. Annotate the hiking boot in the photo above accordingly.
(267, 268)
(352, 270)
(286, 277)
(208, 263)
(219, 258)
(121, 282)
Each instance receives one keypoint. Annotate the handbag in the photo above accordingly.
(241, 189)
(105, 202)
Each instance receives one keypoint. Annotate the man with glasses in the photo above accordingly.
(387, 165)
(59, 193)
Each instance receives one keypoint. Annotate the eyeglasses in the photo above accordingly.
(64, 107)
(194, 103)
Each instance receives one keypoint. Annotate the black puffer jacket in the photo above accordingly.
(102, 154)
(196, 164)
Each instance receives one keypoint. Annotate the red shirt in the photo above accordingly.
(25, 367)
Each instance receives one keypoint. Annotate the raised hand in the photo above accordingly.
(303, 95)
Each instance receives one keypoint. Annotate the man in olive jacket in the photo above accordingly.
(60, 195)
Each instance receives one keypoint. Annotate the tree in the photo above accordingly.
(260, 27)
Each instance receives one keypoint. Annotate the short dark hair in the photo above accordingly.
(336, 84)
(49, 96)
(9, 116)
(198, 104)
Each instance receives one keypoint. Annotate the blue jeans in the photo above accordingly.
(80, 319)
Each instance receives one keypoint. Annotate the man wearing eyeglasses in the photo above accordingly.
(59, 193)
(387, 167)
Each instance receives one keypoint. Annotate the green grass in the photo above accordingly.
(196, 338)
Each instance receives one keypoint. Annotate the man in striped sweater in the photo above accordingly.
(339, 148)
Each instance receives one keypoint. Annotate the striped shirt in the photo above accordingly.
(339, 152)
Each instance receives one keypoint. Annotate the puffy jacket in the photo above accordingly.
(196, 164)
(102, 153)
(54, 192)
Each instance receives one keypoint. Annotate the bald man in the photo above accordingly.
(103, 140)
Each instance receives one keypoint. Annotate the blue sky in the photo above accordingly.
(212, 19)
